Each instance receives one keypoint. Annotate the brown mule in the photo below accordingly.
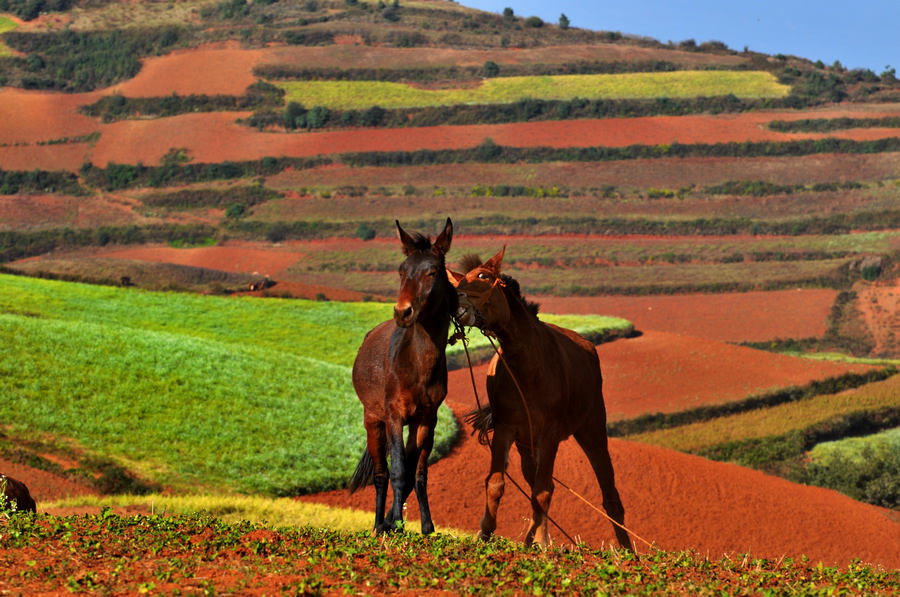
(400, 376)
(558, 373)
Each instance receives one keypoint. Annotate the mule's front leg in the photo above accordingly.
(495, 483)
(399, 479)
(424, 444)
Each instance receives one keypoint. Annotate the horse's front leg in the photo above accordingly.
(495, 482)
(424, 445)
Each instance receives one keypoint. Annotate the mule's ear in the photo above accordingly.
(442, 242)
(406, 239)
(454, 277)
(495, 262)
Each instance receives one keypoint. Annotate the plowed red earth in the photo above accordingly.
(673, 500)
(216, 137)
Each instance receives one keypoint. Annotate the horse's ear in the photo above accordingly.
(454, 277)
(495, 262)
(442, 242)
(406, 239)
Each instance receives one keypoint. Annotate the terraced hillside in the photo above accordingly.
(708, 195)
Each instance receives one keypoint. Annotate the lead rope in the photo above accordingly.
(482, 432)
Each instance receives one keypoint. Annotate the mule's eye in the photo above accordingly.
(483, 276)
(431, 273)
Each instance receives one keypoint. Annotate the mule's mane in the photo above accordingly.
(471, 261)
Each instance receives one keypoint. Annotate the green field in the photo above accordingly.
(196, 392)
(355, 95)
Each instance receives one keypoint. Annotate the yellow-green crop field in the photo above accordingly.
(355, 95)
(6, 24)
(774, 421)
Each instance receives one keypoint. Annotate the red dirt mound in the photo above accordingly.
(673, 500)
(43, 486)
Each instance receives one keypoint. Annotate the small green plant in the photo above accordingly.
(7, 505)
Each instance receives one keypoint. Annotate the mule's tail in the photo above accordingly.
(364, 474)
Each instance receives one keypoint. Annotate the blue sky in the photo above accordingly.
(861, 34)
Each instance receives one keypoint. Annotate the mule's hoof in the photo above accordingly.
(485, 536)
(385, 527)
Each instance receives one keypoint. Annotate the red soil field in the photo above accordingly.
(673, 500)
(25, 212)
(664, 372)
(225, 69)
(216, 137)
(731, 317)
(669, 173)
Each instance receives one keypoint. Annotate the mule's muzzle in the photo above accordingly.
(404, 315)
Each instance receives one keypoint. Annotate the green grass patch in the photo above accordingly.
(865, 468)
(349, 95)
(248, 395)
(241, 394)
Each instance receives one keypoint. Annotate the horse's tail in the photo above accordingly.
(364, 474)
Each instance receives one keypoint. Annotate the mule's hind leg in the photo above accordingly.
(541, 489)
(595, 446)
(495, 482)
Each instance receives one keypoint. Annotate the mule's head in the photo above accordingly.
(482, 301)
(424, 286)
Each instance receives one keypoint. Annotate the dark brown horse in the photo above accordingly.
(546, 387)
(400, 375)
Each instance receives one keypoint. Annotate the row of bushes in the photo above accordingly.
(825, 125)
(524, 110)
(298, 72)
(488, 151)
(117, 107)
(39, 181)
(82, 61)
(832, 385)
(30, 9)
(16, 245)
(212, 198)
(874, 480)
(761, 188)
(120, 176)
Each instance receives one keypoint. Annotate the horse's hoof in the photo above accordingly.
(484, 536)
(427, 528)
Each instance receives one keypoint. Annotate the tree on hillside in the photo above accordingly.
(563, 21)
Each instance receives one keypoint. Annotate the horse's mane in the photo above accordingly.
(471, 261)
